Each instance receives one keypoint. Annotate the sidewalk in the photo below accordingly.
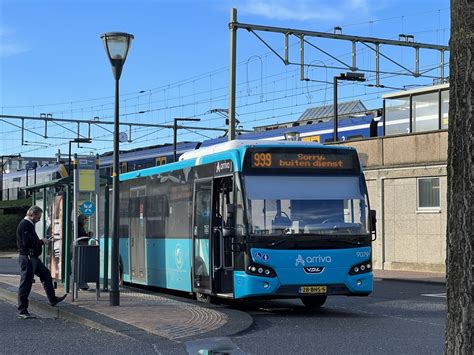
(415, 276)
(150, 316)
(8, 254)
(142, 315)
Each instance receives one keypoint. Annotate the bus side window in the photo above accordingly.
(239, 211)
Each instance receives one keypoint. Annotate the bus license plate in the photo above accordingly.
(313, 289)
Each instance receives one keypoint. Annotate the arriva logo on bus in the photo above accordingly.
(312, 259)
(223, 166)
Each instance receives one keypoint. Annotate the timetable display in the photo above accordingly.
(301, 161)
(317, 160)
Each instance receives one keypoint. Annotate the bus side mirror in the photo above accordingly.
(373, 223)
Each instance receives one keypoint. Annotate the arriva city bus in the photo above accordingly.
(250, 219)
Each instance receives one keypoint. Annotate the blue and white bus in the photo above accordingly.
(247, 219)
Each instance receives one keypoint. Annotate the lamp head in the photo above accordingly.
(117, 45)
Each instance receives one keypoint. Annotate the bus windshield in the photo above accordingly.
(324, 205)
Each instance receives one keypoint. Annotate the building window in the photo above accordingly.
(397, 116)
(425, 112)
(428, 194)
(444, 109)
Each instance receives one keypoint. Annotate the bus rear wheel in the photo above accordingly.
(314, 301)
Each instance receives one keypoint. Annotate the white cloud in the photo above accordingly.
(8, 45)
(305, 10)
(8, 50)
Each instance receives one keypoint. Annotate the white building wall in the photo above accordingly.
(407, 239)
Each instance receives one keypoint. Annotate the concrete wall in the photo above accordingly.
(407, 239)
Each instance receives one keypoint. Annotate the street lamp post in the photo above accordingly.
(175, 132)
(116, 45)
(349, 76)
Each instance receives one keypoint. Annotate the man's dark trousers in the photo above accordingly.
(30, 266)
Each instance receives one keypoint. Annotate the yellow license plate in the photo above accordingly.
(313, 289)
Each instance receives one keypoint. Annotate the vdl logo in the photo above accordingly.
(312, 259)
(314, 269)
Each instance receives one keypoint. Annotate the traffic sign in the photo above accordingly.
(87, 208)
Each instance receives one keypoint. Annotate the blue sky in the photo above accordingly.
(52, 61)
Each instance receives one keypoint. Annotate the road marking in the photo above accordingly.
(155, 348)
(438, 295)
(387, 315)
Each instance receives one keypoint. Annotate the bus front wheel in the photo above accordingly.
(204, 298)
(314, 301)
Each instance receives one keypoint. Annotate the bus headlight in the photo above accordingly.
(260, 270)
(361, 268)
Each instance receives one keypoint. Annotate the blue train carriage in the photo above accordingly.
(248, 219)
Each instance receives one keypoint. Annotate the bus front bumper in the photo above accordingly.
(246, 285)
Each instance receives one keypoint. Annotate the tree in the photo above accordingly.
(460, 226)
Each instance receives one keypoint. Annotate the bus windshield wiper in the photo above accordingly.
(351, 242)
(288, 237)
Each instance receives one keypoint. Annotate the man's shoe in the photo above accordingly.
(25, 315)
(58, 299)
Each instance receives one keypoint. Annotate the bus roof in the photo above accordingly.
(240, 143)
(196, 157)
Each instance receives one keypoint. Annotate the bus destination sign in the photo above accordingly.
(286, 160)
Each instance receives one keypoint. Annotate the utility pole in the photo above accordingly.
(175, 132)
(349, 76)
(233, 65)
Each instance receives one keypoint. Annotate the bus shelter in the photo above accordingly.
(59, 222)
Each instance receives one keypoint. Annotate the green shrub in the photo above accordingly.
(8, 224)
(16, 203)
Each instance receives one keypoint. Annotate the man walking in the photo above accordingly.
(30, 248)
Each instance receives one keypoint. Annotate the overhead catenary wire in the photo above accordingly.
(150, 105)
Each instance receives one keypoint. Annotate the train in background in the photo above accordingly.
(14, 182)
(136, 159)
(322, 132)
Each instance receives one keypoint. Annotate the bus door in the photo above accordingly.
(223, 224)
(137, 234)
(202, 230)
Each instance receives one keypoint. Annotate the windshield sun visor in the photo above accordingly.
(303, 187)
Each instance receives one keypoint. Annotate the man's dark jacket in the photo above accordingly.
(27, 240)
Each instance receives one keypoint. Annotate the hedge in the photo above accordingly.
(26, 202)
(8, 224)
(11, 213)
